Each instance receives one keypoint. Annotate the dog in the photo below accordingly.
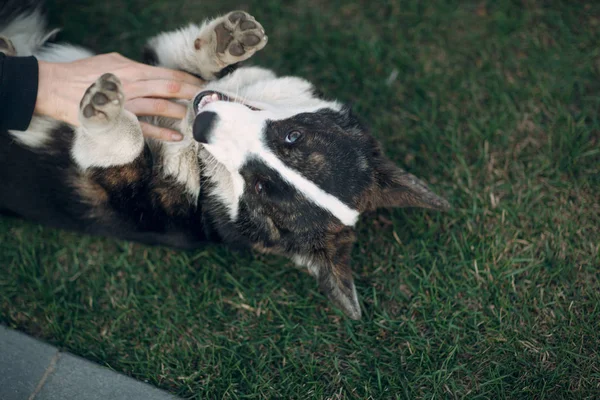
(266, 163)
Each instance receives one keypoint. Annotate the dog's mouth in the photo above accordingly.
(210, 96)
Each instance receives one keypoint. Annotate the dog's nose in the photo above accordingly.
(203, 126)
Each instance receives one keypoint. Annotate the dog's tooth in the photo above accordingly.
(209, 98)
(202, 103)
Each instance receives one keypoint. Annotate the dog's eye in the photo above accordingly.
(259, 187)
(293, 137)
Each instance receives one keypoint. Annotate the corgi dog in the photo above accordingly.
(266, 163)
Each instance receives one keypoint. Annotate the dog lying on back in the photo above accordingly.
(265, 162)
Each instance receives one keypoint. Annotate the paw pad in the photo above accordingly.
(236, 16)
(238, 37)
(103, 101)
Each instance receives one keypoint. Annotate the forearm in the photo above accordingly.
(18, 91)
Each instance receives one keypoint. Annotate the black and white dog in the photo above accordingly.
(265, 163)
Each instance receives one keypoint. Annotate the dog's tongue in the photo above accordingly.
(203, 125)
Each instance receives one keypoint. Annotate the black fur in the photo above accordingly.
(134, 209)
(11, 9)
(43, 198)
(333, 151)
(149, 56)
(227, 70)
(278, 215)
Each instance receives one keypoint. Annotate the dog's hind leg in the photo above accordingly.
(109, 149)
(119, 175)
(109, 135)
(210, 50)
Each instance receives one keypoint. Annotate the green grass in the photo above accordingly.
(495, 104)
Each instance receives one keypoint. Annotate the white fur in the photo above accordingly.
(37, 134)
(228, 186)
(306, 262)
(243, 78)
(180, 162)
(177, 49)
(27, 32)
(260, 88)
(62, 53)
(108, 145)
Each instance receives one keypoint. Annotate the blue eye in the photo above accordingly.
(259, 187)
(293, 137)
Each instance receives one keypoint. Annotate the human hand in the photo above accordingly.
(62, 85)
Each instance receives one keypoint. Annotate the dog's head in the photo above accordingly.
(290, 173)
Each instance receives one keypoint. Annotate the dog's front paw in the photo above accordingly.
(7, 47)
(102, 103)
(237, 37)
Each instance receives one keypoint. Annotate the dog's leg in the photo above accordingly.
(211, 49)
(109, 149)
(109, 135)
(118, 174)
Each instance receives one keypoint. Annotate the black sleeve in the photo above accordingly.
(18, 91)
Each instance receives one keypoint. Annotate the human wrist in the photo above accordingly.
(53, 91)
(46, 78)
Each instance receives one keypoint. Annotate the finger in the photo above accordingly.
(169, 74)
(70, 115)
(145, 106)
(155, 132)
(160, 88)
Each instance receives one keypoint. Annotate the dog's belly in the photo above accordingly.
(32, 184)
(43, 185)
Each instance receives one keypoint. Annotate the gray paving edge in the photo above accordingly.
(33, 370)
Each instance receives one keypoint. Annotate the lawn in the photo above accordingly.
(494, 103)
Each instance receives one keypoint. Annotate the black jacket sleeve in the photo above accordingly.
(18, 91)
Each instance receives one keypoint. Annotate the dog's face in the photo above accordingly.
(291, 173)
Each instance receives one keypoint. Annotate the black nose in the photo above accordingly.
(203, 126)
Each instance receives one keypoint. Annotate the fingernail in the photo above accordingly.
(176, 137)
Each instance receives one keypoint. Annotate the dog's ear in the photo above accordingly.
(331, 267)
(395, 187)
